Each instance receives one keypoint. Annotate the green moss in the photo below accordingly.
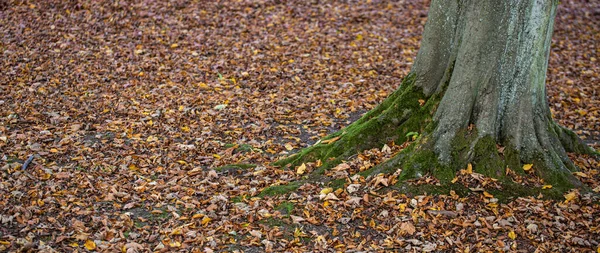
(285, 207)
(461, 148)
(273, 222)
(337, 184)
(512, 159)
(413, 190)
(237, 199)
(236, 166)
(244, 148)
(406, 110)
(486, 159)
(512, 190)
(569, 140)
(279, 189)
(420, 162)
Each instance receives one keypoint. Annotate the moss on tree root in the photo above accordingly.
(409, 110)
(404, 111)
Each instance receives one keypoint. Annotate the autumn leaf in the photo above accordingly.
(325, 191)
(90, 245)
(527, 167)
(332, 140)
(407, 228)
(572, 195)
(546, 187)
(512, 235)
(289, 146)
(205, 220)
(301, 169)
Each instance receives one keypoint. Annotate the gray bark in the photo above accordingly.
(489, 58)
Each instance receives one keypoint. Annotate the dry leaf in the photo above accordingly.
(512, 235)
(90, 245)
(407, 228)
(301, 169)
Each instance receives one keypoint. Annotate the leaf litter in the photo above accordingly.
(150, 126)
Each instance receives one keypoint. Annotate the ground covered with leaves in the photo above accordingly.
(140, 126)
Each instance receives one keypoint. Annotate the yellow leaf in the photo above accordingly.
(133, 167)
(185, 128)
(546, 187)
(53, 150)
(4, 242)
(512, 235)
(470, 168)
(289, 146)
(454, 180)
(487, 195)
(301, 169)
(175, 244)
(580, 174)
(197, 216)
(205, 220)
(90, 245)
(203, 85)
(402, 207)
(570, 196)
(176, 231)
(74, 244)
(217, 156)
(330, 140)
(319, 163)
(359, 37)
(174, 45)
(326, 191)
(182, 162)
(527, 167)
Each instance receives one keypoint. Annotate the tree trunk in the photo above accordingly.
(476, 94)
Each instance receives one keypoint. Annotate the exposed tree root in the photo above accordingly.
(408, 110)
(404, 111)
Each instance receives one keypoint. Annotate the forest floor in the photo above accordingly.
(125, 112)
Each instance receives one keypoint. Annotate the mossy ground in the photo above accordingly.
(279, 189)
(407, 114)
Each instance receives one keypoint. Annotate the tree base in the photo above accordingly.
(407, 116)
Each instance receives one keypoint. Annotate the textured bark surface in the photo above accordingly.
(493, 57)
(481, 69)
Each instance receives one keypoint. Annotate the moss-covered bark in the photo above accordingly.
(476, 95)
(404, 111)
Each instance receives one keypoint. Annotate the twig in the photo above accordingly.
(29, 160)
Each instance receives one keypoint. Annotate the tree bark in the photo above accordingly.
(476, 94)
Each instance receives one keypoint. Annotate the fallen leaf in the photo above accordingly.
(512, 235)
(570, 196)
(326, 191)
(332, 140)
(527, 167)
(407, 228)
(301, 169)
(256, 233)
(296, 219)
(90, 245)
